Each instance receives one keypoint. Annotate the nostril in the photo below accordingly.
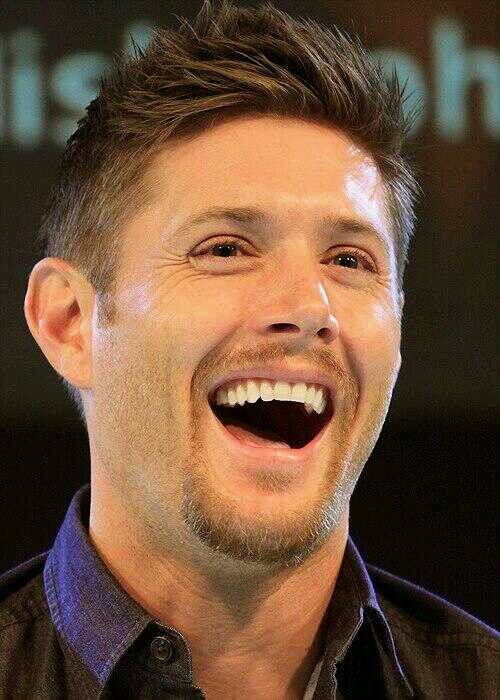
(283, 326)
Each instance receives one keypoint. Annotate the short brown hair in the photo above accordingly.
(233, 61)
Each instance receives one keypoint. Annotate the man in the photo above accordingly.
(222, 294)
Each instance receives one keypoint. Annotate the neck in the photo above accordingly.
(270, 628)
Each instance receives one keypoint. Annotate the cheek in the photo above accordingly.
(197, 321)
(373, 335)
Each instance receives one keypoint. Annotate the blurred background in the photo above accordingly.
(425, 507)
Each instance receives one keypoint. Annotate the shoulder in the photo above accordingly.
(424, 613)
(442, 648)
(32, 661)
(22, 594)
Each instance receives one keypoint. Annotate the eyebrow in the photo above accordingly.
(255, 218)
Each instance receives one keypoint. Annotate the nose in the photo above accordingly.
(300, 324)
(299, 313)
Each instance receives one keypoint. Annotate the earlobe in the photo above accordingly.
(55, 315)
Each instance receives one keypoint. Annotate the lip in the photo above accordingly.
(283, 457)
(307, 375)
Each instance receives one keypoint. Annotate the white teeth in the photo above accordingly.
(241, 395)
(313, 397)
(266, 391)
(310, 395)
(231, 396)
(253, 391)
(300, 393)
(282, 391)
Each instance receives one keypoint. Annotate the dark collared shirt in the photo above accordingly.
(69, 630)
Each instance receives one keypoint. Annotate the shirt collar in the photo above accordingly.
(100, 621)
(91, 611)
(354, 589)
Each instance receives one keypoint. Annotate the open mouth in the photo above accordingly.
(279, 421)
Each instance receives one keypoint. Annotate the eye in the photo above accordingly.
(223, 247)
(351, 255)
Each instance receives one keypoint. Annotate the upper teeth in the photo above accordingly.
(240, 391)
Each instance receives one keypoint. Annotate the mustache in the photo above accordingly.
(246, 358)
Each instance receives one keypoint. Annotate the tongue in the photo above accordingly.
(257, 437)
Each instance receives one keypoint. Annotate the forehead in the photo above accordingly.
(290, 167)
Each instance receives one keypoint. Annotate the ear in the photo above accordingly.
(58, 307)
(401, 306)
(401, 300)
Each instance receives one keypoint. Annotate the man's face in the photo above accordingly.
(189, 314)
